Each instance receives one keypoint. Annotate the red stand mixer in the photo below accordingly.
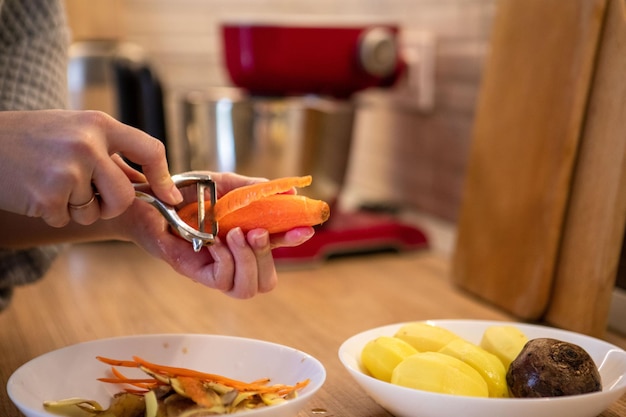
(292, 113)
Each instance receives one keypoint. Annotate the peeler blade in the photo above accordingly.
(204, 185)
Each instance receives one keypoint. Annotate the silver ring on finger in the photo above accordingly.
(83, 205)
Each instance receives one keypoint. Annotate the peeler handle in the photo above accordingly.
(203, 182)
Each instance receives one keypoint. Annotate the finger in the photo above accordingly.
(245, 283)
(51, 208)
(221, 276)
(148, 229)
(259, 241)
(148, 152)
(115, 189)
(293, 237)
(86, 212)
(227, 181)
(54, 217)
(212, 267)
(132, 174)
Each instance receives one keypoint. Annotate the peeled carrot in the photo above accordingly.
(277, 213)
(261, 205)
(242, 196)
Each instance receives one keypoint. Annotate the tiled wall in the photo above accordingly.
(416, 159)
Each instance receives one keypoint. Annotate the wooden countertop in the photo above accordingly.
(114, 289)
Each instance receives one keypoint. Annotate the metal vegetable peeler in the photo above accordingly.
(203, 182)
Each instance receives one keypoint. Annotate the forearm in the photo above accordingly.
(19, 232)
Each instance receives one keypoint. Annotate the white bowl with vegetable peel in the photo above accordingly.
(73, 371)
(409, 402)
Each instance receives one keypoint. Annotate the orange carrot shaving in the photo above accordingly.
(119, 378)
(187, 375)
(135, 391)
(143, 387)
(242, 196)
(194, 392)
(261, 381)
(115, 362)
(184, 372)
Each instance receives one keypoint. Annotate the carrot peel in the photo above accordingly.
(259, 386)
(240, 197)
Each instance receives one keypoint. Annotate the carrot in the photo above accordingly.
(263, 205)
(242, 196)
(277, 213)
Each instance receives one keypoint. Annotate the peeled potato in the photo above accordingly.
(506, 342)
(437, 372)
(425, 337)
(485, 363)
(381, 355)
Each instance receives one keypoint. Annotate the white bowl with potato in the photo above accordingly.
(403, 401)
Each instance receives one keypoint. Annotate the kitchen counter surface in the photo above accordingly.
(114, 289)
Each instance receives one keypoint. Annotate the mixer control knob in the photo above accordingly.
(378, 51)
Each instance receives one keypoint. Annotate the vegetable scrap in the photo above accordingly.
(175, 392)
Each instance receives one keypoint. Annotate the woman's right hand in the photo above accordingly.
(53, 161)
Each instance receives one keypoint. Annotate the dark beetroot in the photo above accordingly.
(552, 368)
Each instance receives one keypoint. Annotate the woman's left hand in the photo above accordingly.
(241, 265)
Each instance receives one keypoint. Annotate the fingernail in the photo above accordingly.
(237, 237)
(262, 240)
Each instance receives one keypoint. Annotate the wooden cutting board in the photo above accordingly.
(594, 225)
(524, 148)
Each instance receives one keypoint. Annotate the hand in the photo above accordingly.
(241, 266)
(52, 160)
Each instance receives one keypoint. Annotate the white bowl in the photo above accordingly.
(407, 402)
(72, 371)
